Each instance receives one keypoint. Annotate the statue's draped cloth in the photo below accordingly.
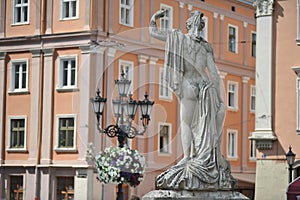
(207, 169)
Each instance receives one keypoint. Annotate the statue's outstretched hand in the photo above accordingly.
(159, 14)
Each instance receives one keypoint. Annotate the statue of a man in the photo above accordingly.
(192, 74)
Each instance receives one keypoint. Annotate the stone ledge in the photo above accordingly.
(193, 195)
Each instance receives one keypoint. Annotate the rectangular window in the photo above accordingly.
(203, 33)
(68, 72)
(20, 11)
(253, 45)
(16, 188)
(127, 68)
(19, 76)
(164, 90)
(166, 22)
(65, 188)
(252, 98)
(231, 143)
(233, 39)
(126, 12)
(232, 95)
(164, 135)
(17, 133)
(252, 150)
(66, 132)
(69, 9)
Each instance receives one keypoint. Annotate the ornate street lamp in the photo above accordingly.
(290, 157)
(124, 111)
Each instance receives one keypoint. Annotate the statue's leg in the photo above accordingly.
(187, 111)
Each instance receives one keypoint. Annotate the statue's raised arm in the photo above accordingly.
(154, 32)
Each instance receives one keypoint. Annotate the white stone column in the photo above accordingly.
(215, 31)
(221, 36)
(49, 16)
(2, 18)
(35, 108)
(100, 15)
(47, 123)
(84, 184)
(264, 134)
(87, 15)
(38, 17)
(142, 87)
(86, 118)
(245, 46)
(245, 108)
(181, 5)
(151, 131)
(2, 105)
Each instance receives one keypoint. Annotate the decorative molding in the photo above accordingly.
(153, 60)
(85, 49)
(216, 15)
(48, 52)
(245, 24)
(245, 79)
(263, 7)
(190, 7)
(35, 53)
(111, 52)
(222, 17)
(181, 4)
(2, 55)
(143, 58)
(222, 75)
(263, 139)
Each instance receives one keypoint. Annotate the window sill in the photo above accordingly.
(67, 89)
(165, 98)
(298, 131)
(69, 18)
(16, 150)
(232, 109)
(164, 154)
(128, 25)
(65, 150)
(20, 24)
(232, 158)
(298, 41)
(18, 92)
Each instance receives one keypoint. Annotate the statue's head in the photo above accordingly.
(195, 23)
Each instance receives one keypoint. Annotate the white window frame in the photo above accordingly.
(252, 95)
(129, 7)
(251, 50)
(204, 32)
(68, 87)
(63, 149)
(24, 184)
(236, 38)
(12, 88)
(298, 104)
(169, 146)
(252, 150)
(22, 6)
(62, 11)
(165, 93)
(128, 75)
(168, 18)
(232, 153)
(296, 69)
(236, 94)
(9, 148)
(298, 22)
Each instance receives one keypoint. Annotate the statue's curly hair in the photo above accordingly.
(195, 20)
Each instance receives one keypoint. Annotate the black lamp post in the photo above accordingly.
(124, 110)
(290, 157)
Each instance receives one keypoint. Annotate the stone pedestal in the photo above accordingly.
(193, 195)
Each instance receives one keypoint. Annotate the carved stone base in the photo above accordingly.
(193, 195)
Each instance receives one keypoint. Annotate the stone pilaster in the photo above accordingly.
(264, 134)
(2, 17)
(49, 16)
(245, 46)
(215, 30)
(245, 109)
(2, 105)
(221, 36)
(87, 15)
(35, 107)
(181, 5)
(47, 124)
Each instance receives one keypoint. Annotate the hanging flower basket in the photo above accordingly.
(120, 165)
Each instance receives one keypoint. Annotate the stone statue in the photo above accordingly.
(192, 74)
